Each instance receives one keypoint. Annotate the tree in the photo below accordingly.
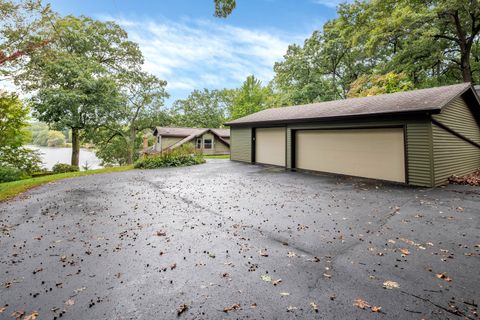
(371, 85)
(22, 31)
(74, 77)
(13, 120)
(201, 109)
(223, 8)
(250, 98)
(144, 96)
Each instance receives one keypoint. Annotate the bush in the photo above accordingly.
(64, 167)
(23, 159)
(8, 174)
(183, 156)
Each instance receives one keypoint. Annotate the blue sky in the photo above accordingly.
(189, 48)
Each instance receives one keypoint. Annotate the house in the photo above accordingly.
(207, 141)
(419, 137)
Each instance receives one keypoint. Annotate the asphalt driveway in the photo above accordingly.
(236, 241)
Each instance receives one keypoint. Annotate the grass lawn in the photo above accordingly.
(223, 156)
(10, 189)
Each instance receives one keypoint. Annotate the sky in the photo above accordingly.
(184, 44)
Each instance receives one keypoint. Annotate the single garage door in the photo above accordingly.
(370, 153)
(270, 146)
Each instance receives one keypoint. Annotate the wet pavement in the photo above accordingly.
(227, 240)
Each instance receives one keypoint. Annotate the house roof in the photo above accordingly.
(426, 100)
(189, 134)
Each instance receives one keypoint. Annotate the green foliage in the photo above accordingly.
(13, 120)
(10, 174)
(55, 139)
(75, 77)
(371, 85)
(250, 98)
(202, 109)
(184, 155)
(23, 159)
(23, 30)
(223, 8)
(64, 167)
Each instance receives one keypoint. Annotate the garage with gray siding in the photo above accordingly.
(419, 137)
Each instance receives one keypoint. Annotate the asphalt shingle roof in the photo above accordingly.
(431, 99)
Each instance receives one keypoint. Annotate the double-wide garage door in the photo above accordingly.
(371, 153)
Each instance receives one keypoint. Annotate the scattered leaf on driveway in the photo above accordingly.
(404, 252)
(2, 309)
(266, 278)
(291, 254)
(263, 253)
(161, 233)
(390, 284)
(69, 302)
(183, 307)
(276, 282)
(376, 309)
(232, 307)
(444, 276)
(18, 314)
(314, 306)
(31, 316)
(362, 304)
(284, 294)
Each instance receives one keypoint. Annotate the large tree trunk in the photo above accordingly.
(131, 147)
(75, 146)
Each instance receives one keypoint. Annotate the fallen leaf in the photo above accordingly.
(390, 284)
(232, 307)
(404, 252)
(183, 307)
(78, 290)
(69, 302)
(31, 316)
(327, 275)
(376, 309)
(2, 309)
(284, 294)
(444, 276)
(291, 309)
(266, 278)
(276, 282)
(362, 304)
(314, 306)
(18, 314)
(263, 253)
(291, 254)
(161, 233)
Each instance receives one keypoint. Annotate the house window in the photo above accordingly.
(207, 143)
(199, 143)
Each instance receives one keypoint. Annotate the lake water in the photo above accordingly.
(52, 156)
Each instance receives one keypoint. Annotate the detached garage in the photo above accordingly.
(419, 137)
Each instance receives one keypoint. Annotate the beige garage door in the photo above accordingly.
(370, 153)
(270, 146)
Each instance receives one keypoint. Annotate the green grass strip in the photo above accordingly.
(9, 190)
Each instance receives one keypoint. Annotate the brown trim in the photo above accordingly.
(375, 116)
(293, 147)
(253, 144)
(458, 135)
(405, 153)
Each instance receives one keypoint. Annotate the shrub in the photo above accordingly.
(23, 159)
(183, 156)
(64, 167)
(8, 174)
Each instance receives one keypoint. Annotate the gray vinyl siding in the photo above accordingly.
(241, 144)
(453, 155)
(419, 153)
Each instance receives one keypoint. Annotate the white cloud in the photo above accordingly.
(193, 54)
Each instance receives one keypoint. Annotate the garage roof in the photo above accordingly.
(426, 100)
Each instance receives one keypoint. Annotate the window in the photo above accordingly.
(199, 143)
(207, 143)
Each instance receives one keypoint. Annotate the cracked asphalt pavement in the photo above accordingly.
(227, 240)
